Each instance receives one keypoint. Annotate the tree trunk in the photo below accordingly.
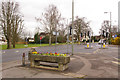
(9, 44)
(49, 39)
(14, 44)
(14, 40)
(78, 36)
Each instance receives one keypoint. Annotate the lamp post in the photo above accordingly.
(72, 23)
(110, 23)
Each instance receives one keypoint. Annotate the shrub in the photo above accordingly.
(117, 41)
(37, 38)
(61, 39)
(111, 41)
(45, 39)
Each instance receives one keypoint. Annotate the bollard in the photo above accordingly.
(103, 45)
(79, 42)
(23, 59)
(87, 45)
(92, 41)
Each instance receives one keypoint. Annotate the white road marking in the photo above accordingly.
(17, 51)
(72, 58)
(74, 75)
(96, 51)
(116, 58)
(3, 52)
(116, 62)
(84, 53)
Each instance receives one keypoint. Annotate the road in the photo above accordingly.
(91, 63)
(16, 54)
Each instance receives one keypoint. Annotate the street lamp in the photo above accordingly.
(110, 22)
(72, 23)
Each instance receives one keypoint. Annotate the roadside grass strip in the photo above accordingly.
(18, 46)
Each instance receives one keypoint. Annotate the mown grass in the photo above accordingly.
(17, 46)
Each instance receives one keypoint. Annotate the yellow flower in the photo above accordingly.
(34, 52)
(64, 54)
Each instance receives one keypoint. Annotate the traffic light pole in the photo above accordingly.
(40, 42)
(89, 39)
(110, 28)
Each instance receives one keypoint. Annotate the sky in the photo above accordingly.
(93, 10)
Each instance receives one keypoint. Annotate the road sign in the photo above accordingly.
(40, 38)
(115, 36)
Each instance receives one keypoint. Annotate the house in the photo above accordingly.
(85, 38)
(43, 34)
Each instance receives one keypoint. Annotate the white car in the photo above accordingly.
(102, 41)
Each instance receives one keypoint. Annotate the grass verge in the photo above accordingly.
(17, 46)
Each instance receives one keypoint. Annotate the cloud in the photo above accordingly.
(93, 10)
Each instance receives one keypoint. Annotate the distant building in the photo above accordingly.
(43, 34)
(85, 38)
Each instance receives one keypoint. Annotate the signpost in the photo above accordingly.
(26, 42)
(115, 36)
(40, 40)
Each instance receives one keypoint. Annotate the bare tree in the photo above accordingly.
(114, 29)
(37, 30)
(105, 29)
(11, 21)
(80, 26)
(24, 34)
(105, 26)
(62, 27)
(50, 20)
(17, 28)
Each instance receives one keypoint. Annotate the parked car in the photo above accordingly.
(101, 41)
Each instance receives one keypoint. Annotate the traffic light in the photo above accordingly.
(89, 33)
(106, 34)
(103, 32)
(70, 30)
(85, 35)
(81, 35)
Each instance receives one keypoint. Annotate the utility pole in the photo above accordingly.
(119, 17)
(72, 23)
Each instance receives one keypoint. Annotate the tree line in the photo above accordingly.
(52, 21)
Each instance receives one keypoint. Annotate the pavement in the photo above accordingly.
(85, 63)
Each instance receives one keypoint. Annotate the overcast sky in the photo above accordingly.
(93, 10)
